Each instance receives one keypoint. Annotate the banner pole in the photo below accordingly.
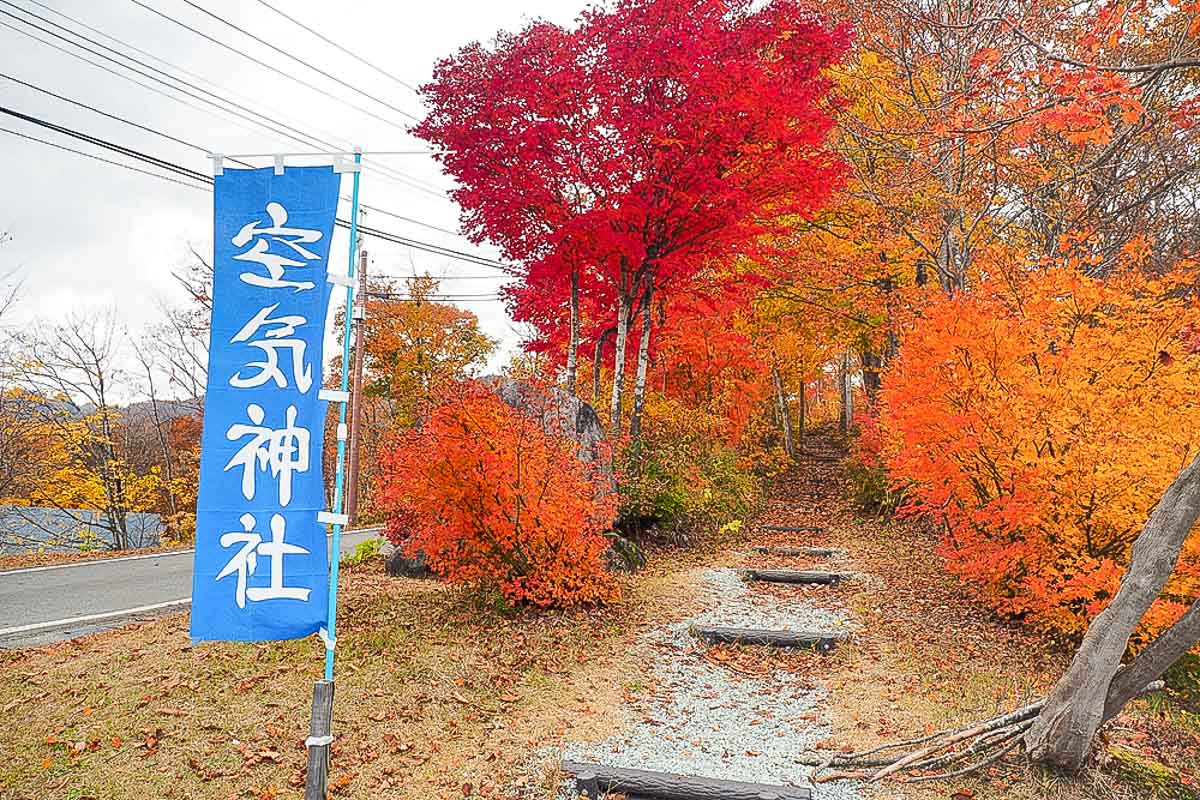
(340, 479)
(320, 732)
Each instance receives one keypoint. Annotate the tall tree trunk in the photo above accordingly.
(163, 443)
(643, 365)
(597, 361)
(785, 420)
(624, 312)
(573, 343)
(847, 415)
(114, 486)
(1062, 734)
(803, 413)
(871, 364)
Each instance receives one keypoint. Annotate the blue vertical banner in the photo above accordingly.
(261, 567)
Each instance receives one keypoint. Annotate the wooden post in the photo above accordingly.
(320, 737)
(360, 353)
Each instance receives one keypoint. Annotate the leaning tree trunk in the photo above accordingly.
(573, 343)
(1169, 647)
(624, 312)
(1062, 734)
(643, 365)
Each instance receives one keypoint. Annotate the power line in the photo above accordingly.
(491, 277)
(276, 113)
(299, 60)
(285, 130)
(186, 143)
(197, 147)
(95, 110)
(132, 69)
(436, 298)
(201, 177)
(265, 65)
(101, 158)
(347, 51)
(438, 250)
(116, 148)
(410, 219)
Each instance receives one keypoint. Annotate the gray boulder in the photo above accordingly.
(623, 555)
(561, 413)
(401, 566)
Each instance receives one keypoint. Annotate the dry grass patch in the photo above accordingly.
(932, 656)
(437, 698)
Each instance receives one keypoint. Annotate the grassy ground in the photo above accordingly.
(436, 698)
(441, 698)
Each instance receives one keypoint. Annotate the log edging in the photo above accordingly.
(819, 641)
(812, 577)
(794, 529)
(812, 552)
(595, 779)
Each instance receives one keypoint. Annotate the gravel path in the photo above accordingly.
(695, 718)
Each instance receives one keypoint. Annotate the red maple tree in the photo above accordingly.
(618, 158)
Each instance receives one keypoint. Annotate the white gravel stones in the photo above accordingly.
(695, 718)
(734, 604)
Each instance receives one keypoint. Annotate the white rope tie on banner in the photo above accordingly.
(334, 395)
(329, 518)
(318, 741)
(340, 280)
(330, 641)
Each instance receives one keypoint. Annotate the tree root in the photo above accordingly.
(981, 745)
(928, 758)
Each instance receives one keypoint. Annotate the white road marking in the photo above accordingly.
(90, 562)
(62, 623)
(165, 554)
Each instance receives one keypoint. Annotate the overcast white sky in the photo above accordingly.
(87, 234)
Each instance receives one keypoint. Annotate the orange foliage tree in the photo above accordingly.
(1040, 419)
(496, 502)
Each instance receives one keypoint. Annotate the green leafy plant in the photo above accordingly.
(363, 552)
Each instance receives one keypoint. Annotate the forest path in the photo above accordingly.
(743, 712)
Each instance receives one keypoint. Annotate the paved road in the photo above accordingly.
(46, 604)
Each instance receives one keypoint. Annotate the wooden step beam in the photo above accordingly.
(813, 552)
(822, 642)
(793, 529)
(810, 577)
(596, 780)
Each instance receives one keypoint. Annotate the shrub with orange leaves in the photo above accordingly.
(496, 503)
(1039, 419)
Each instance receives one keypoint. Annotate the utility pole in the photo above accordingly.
(360, 353)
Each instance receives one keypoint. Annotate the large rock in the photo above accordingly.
(401, 566)
(561, 413)
(623, 555)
